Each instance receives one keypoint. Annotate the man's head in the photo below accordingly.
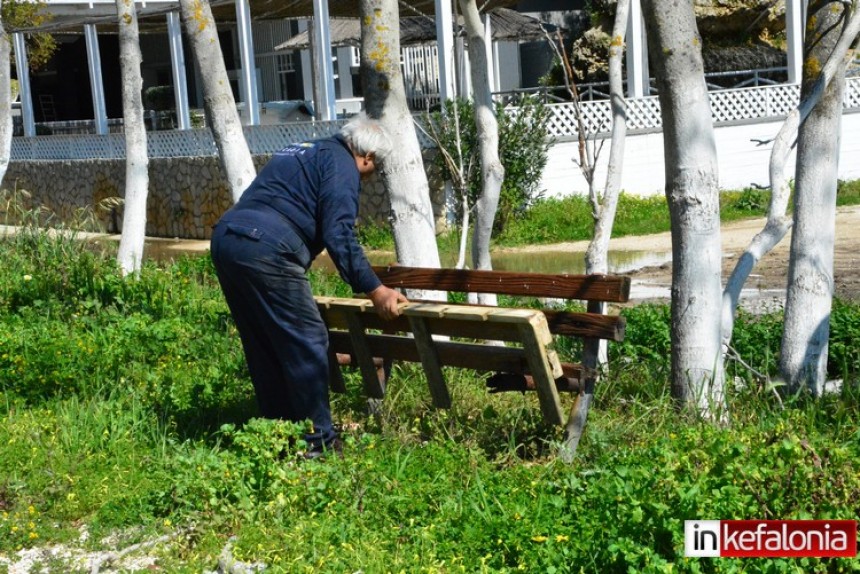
(368, 141)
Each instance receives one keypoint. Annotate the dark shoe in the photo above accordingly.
(323, 450)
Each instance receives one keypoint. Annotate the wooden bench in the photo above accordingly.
(358, 337)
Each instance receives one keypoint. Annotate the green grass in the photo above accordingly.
(126, 413)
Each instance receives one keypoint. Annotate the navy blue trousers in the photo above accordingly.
(284, 338)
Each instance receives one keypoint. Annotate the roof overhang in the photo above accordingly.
(506, 25)
(72, 15)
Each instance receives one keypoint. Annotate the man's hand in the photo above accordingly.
(386, 301)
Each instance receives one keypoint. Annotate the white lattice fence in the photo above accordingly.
(170, 143)
(268, 139)
(644, 114)
(852, 93)
(743, 104)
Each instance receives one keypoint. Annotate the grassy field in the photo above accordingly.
(128, 436)
(570, 219)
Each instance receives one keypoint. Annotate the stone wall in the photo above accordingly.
(186, 195)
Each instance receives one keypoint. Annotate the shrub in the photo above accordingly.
(523, 148)
(159, 98)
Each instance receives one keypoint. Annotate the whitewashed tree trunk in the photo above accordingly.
(492, 171)
(219, 104)
(130, 254)
(597, 254)
(595, 352)
(809, 298)
(778, 223)
(412, 219)
(692, 194)
(5, 100)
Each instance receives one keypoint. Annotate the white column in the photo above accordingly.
(326, 106)
(464, 75)
(497, 72)
(24, 91)
(344, 73)
(177, 64)
(249, 69)
(638, 85)
(96, 86)
(795, 19)
(445, 43)
(307, 76)
(492, 69)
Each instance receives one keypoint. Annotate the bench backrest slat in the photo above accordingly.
(608, 288)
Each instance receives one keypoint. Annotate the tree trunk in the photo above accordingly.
(803, 360)
(412, 219)
(219, 104)
(597, 255)
(492, 171)
(692, 194)
(594, 352)
(778, 223)
(130, 253)
(5, 100)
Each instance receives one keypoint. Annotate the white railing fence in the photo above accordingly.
(727, 106)
(743, 105)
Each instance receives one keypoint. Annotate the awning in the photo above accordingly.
(507, 25)
(71, 15)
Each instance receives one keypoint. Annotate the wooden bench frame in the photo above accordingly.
(422, 333)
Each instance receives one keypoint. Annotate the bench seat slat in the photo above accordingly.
(594, 325)
(499, 325)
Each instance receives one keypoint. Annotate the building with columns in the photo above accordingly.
(82, 82)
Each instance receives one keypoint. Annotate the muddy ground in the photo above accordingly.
(766, 285)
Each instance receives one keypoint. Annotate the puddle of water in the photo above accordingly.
(167, 249)
(538, 261)
(574, 263)
(757, 300)
(527, 262)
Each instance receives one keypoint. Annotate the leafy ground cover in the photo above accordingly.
(128, 426)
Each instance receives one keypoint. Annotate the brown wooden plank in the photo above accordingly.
(611, 327)
(373, 387)
(487, 358)
(336, 317)
(545, 368)
(508, 382)
(335, 377)
(586, 325)
(430, 361)
(610, 288)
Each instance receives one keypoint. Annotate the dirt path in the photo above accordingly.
(768, 279)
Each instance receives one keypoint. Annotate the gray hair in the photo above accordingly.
(365, 135)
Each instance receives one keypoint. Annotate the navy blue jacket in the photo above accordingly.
(311, 189)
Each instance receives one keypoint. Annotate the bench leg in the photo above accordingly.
(591, 363)
(577, 419)
(542, 372)
(430, 361)
(335, 377)
(373, 386)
